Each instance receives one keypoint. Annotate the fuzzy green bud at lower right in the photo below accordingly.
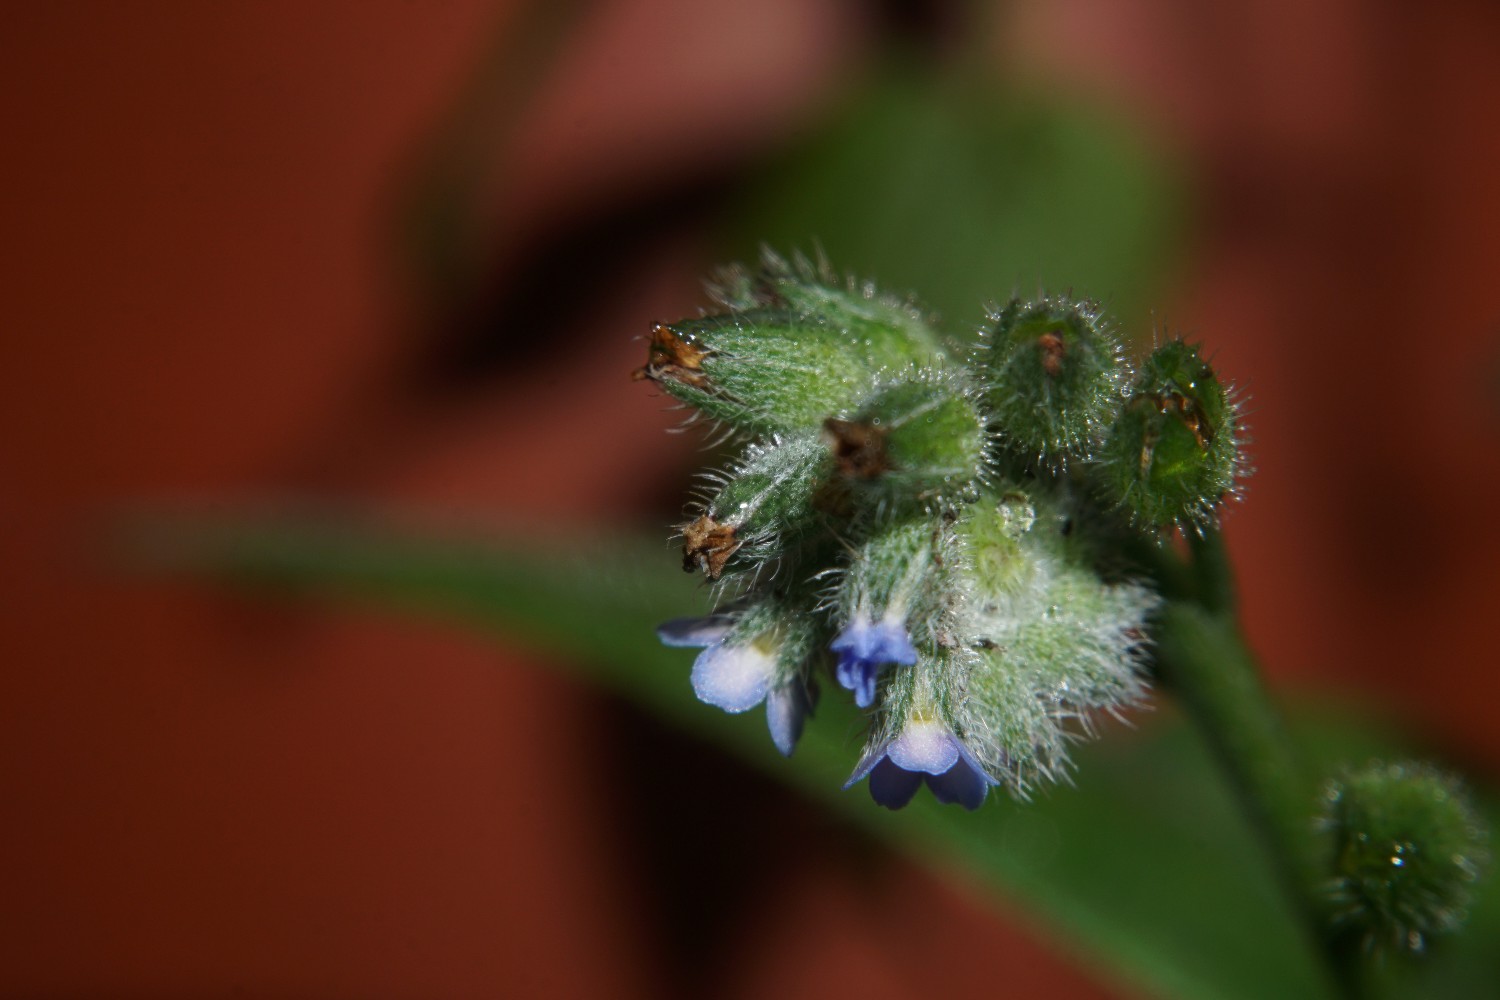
(1408, 850)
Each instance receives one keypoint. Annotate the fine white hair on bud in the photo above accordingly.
(789, 350)
(927, 524)
(1052, 640)
(917, 442)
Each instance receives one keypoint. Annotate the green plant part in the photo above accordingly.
(1408, 848)
(791, 349)
(1052, 640)
(1052, 371)
(968, 612)
(1174, 455)
(918, 442)
(761, 506)
(812, 288)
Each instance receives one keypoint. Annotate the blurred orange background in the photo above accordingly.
(206, 301)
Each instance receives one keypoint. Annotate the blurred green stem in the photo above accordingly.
(1202, 657)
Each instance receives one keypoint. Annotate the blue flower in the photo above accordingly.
(736, 677)
(864, 648)
(925, 750)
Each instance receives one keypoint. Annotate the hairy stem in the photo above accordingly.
(1202, 657)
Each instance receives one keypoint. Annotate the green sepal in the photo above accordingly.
(1173, 454)
(932, 688)
(807, 287)
(1049, 640)
(761, 506)
(790, 351)
(1052, 371)
(913, 445)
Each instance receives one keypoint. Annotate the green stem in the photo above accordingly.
(1202, 657)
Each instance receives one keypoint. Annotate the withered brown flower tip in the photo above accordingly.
(1053, 349)
(673, 356)
(707, 545)
(859, 448)
(1185, 410)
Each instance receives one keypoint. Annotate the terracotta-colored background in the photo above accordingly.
(203, 301)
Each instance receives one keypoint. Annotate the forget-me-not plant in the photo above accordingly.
(978, 542)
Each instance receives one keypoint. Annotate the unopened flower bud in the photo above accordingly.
(761, 505)
(812, 288)
(912, 445)
(1408, 848)
(1173, 453)
(1052, 372)
(792, 350)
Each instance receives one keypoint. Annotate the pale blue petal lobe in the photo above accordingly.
(787, 709)
(928, 747)
(734, 678)
(702, 631)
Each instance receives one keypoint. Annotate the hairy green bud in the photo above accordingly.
(1408, 849)
(812, 288)
(790, 351)
(1173, 454)
(1052, 372)
(761, 505)
(913, 443)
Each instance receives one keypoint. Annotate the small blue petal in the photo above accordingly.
(929, 747)
(864, 648)
(866, 763)
(704, 631)
(735, 678)
(787, 709)
(892, 787)
(961, 783)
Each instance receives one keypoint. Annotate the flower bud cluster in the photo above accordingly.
(923, 523)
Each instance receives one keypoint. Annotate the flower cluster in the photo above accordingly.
(930, 524)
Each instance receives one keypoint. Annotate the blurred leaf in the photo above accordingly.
(1143, 866)
(969, 195)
